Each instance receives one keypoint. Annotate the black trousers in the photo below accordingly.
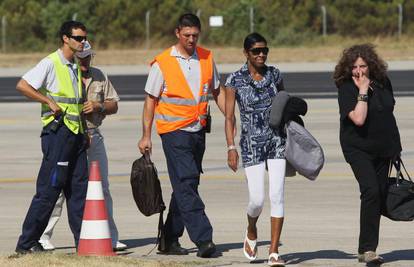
(184, 153)
(372, 178)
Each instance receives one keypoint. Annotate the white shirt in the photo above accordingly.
(43, 75)
(192, 73)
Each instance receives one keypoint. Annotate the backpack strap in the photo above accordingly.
(160, 235)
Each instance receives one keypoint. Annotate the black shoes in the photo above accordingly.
(173, 248)
(206, 249)
(35, 249)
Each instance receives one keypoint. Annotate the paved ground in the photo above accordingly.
(321, 226)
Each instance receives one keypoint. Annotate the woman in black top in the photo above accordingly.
(368, 134)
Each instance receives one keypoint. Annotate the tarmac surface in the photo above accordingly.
(321, 217)
(311, 79)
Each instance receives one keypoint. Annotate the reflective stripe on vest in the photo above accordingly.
(177, 107)
(182, 101)
(70, 117)
(172, 118)
(66, 100)
(66, 97)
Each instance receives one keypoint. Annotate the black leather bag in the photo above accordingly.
(146, 189)
(399, 202)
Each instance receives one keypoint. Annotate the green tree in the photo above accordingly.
(24, 26)
(33, 24)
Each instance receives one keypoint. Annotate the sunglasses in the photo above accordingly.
(257, 50)
(79, 38)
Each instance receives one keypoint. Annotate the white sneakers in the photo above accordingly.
(120, 246)
(46, 244)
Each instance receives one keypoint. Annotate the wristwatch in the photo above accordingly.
(363, 97)
(102, 110)
(231, 147)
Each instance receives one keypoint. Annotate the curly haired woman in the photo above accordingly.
(369, 135)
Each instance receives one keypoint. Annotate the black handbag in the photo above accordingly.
(146, 189)
(399, 202)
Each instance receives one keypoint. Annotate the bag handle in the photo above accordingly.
(397, 162)
(406, 172)
(147, 156)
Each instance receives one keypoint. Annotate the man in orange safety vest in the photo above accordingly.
(177, 90)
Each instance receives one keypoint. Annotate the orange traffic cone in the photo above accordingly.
(95, 237)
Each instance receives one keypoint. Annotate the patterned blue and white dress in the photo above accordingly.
(258, 142)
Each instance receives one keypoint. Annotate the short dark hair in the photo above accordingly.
(188, 20)
(68, 26)
(253, 38)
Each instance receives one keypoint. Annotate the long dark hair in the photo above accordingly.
(376, 66)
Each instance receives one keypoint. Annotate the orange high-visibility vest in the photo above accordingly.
(177, 107)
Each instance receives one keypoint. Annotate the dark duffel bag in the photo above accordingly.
(399, 202)
(146, 189)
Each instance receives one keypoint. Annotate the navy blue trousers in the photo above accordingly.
(184, 153)
(64, 167)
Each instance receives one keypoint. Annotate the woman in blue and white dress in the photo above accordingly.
(254, 86)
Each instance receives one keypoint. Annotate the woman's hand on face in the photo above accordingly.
(362, 82)
(233, 159)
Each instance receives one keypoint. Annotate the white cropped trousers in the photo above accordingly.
(256, 185)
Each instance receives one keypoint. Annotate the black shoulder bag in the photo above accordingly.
(399, 202)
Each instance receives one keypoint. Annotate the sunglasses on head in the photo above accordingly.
(78, 38)
(257, 50)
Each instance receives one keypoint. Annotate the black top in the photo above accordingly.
(379, 136)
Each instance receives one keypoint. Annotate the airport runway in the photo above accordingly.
(303, 84)
(321, 222)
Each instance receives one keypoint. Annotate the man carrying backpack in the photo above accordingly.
(177, 98)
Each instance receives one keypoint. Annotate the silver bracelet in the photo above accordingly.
(231, 147)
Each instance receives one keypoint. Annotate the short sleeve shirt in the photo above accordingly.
(258, 141)
(43, 74)
(192, 73)
(98, 88)
(379, 136)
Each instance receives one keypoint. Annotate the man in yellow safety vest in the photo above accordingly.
(56, 83)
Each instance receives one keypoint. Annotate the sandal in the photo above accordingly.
(370, 257)
(275, 260)
(253, 247)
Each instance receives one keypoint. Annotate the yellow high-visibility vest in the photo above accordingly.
(65, 98)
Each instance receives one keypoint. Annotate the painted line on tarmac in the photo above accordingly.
(165, 177)
(19, 120)
(16, 180)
